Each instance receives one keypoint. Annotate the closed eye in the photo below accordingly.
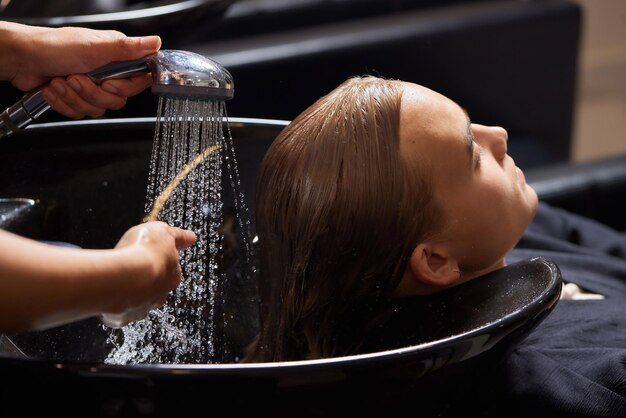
(480, 152)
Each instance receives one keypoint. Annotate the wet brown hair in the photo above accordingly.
(338, 213)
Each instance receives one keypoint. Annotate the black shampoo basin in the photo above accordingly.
(94, 174)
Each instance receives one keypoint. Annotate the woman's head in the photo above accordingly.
(362, 197)
(485, 202)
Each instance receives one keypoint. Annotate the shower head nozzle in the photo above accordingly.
(187, 74)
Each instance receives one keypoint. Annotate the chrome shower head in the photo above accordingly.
(186, 74)
(175, 73)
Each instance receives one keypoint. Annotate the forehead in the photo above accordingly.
(433, 129)
(426, 115)
(426, 109)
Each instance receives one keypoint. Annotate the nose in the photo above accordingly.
(492, 138)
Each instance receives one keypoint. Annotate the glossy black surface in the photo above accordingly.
(13, 210)
(169, 18)
(88, 180)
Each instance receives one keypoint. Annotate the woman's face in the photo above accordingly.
(486, 202)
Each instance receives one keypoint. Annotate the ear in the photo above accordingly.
(432, 266)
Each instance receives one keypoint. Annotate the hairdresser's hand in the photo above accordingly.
(63, 55)
(152, 250)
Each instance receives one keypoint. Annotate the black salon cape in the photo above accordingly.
(574, 362)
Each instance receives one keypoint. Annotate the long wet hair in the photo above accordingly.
(338, 213)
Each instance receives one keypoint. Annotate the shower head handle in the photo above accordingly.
(121, 69)
(33, 105)
(174, 73)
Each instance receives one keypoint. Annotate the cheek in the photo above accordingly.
(483, 242)
(503, 205)
(500, 191)
(489, 222)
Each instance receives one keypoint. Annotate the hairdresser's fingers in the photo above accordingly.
(91, 93)
(155, 231)
(62, 98)
(128, 87)
(58, 105)
(183, 238)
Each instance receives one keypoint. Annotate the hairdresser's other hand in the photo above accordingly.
(152, 253)
(63, 55)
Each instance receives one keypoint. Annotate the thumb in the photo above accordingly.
(183, 238)
(104, 47)
(130, 48)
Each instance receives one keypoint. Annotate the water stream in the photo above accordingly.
(185, 189)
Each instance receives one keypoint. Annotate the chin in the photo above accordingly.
(528, 197)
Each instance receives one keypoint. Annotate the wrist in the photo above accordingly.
(87, 282)
(13, 44)
(43, 285)
(108, 277)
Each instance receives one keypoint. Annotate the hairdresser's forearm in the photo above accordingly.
(43, 285)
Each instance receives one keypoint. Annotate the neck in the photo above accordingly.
(473, 274)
